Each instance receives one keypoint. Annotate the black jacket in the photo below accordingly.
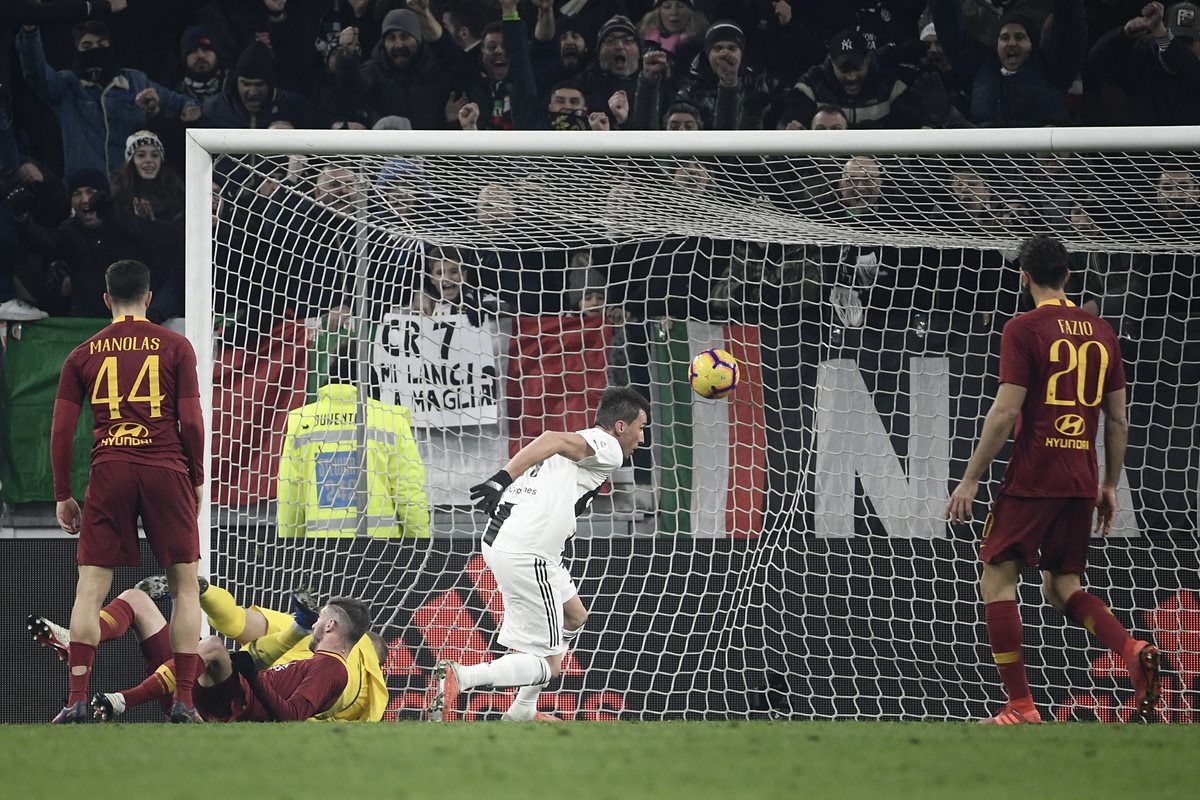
(226, 110)
(86, 253)
(884, 100)
(1161, 89)
(418, 92)
(1035, 94)
(722, 106)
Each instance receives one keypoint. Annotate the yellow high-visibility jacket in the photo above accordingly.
(320, 467)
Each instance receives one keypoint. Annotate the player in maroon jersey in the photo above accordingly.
(1059, 366)
(140, 381)
(232, 690)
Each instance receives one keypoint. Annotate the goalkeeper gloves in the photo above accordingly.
(486, 496)
(305, 608)
(243, 663)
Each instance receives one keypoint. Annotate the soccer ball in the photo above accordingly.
(714, 373)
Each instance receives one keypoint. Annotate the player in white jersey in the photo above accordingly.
(533, 504)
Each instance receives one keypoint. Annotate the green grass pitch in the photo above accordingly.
(622, 760)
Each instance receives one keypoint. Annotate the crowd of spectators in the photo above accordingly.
(95, 98)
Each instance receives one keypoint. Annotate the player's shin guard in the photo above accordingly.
(514, 669)
(1004, 633)
(79, 659)
(524, 705)
(115, 619)
(223, 611)
(1090, 612)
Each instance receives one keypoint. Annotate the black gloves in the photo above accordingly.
(101, 203)
(305, 608)
(243, 663)
(486, 495)
(20, 202)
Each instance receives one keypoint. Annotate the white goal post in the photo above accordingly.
(781, 553)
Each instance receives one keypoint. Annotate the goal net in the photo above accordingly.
(778, 553)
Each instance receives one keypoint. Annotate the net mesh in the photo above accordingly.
(781, 552)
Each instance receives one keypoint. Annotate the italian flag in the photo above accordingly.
(557, 370)
(711, 453)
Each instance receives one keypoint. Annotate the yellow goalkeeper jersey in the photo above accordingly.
(320, 467)
(365, 697)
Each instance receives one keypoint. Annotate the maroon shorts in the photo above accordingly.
(231, 700)
(1018, 527)
(118, 493)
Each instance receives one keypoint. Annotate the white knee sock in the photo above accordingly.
(514, 669)
(524, 705)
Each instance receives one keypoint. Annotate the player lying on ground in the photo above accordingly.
(232, 689)
(533, 504)
(275, 637)
(270, 637)
(1059, 365)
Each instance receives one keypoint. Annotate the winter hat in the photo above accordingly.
(142, 139)
(401, 19)
(724, 30)
(194, 38)
(563, 25)
(402, 170)
(620, 24)
(393, 123)
(91, 178)
(1032, 29)
(256, 63)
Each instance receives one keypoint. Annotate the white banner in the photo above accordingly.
(441, 367)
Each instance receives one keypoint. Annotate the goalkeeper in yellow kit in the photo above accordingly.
(271, 637)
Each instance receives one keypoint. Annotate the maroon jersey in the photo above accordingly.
(1068, 360)
(296, 690)
(135, 375)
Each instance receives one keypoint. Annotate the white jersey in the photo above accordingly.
(546, 500)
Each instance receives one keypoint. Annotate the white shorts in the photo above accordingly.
(534, 591)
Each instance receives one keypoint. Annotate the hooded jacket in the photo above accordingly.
(722, 105)
(85, 254)
(226, 110)
(1034, 94)
(418, 91)
(94, 119)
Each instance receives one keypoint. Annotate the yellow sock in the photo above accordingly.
(167, 676)
(266, 650)
(223, 612)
